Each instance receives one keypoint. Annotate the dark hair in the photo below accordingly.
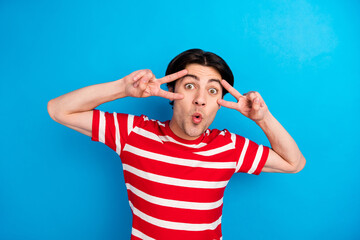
(201, 57)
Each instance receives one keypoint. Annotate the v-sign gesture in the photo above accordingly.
(285, 155)
(250, 104)
(143, 83)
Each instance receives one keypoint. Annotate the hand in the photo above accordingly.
(142, 83)
(250, 104)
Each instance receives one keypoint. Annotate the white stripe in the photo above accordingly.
(130, 123)
(175, 225)
(158, 138)
(257, 160)
(141, 235)
(242, 155)
(174, 203)
(178, 161)
(117, 134)
(233, 139)
(160, 123)
(175, 181)
(102, 123)
(147, 134)
(217, 150)
(170, 139)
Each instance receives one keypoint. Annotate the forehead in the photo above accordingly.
(203, 72)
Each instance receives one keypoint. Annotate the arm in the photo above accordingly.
(74, 109)
(285, 156)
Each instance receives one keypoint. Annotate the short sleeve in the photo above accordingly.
(251, 157)
(113, 129)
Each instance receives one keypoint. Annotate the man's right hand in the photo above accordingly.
(143, 83)
(74, 109)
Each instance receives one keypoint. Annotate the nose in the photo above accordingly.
(200, 99)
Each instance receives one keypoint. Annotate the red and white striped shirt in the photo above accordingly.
(175, 186)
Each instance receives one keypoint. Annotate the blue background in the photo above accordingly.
(302, 56)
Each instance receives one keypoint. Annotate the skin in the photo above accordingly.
(197, 91)
(201, 89)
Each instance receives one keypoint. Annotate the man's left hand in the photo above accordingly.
(250, 104)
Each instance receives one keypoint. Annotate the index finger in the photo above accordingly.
(170, 95)
(230, 89)
(173, 77)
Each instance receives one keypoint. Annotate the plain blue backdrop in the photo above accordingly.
(302, 56)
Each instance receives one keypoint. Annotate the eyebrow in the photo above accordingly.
(197, 78)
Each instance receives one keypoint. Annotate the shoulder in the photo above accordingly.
(220, 135)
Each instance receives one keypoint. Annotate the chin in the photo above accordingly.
(196, 131)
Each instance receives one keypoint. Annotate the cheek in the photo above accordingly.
(188, 97)
(181, 105)
(214, 108)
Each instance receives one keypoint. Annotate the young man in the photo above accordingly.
(176, 171)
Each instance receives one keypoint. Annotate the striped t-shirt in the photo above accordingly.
(175, 186)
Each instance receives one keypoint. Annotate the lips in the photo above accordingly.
(196, 118)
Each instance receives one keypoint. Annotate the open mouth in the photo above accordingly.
(196, 118)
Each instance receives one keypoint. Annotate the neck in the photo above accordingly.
(180, 132)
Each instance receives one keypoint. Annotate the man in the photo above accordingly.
(176, 171)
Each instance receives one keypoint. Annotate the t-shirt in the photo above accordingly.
(175, 186)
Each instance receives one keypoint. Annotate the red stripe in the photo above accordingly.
(135, 238)
(166, 148)
(170, 192)
(263, 159)
(110, 131)
(95, 125)
(174, 192)
(175, 214)
(249, 157)
(177, 171)
(159, 233)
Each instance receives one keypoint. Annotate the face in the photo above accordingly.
(196, 111)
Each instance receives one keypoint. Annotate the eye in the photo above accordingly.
(189, 86)
(213, 91)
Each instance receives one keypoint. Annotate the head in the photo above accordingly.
(202, 58)
(201, 88)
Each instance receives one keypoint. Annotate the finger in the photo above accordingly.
(256, 104)
(248, 93)
(227, 104)
(230, 89)
(139, 75)
(169, 95)
(173, 77)
(143, 80)
(147, 77)
(141, 85)
(261, 100)
(250, 96)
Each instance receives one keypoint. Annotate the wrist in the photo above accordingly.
(119, 87)
(266, 120)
